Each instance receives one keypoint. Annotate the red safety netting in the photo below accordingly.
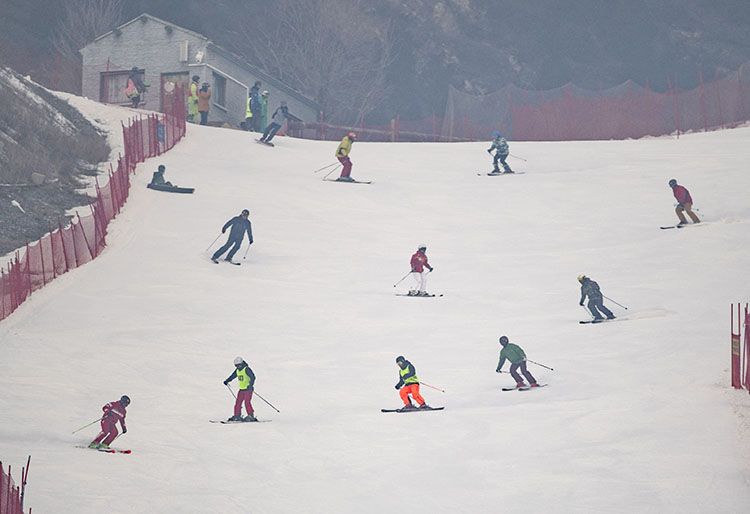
(564, 114)
(83, 239)
(11, 496)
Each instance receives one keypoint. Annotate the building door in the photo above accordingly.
(171, 82)
(112, 86)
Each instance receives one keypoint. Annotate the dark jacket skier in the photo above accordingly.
(239, 225)
(255, 106)
(278, 119)
(500, 146)
(596, 303)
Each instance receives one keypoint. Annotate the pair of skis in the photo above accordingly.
(227, 422)
(524, 388)
(107, 450)
(415, 409)
(420, 295)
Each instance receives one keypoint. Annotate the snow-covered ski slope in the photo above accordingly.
(637, 417)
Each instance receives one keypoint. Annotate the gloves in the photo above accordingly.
(223, 230)
(489, 152)
(124, 430)
(396, 387)
(580, 303)
(226, 383)
(431, 269)
(498, 370)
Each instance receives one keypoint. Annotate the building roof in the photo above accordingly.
(238, 60)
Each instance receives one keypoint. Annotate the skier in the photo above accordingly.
(278, 119)
(204, 97)
(596, 303)
(193, 100)
(113, 412)
(517, 358)
(418, 265)
(246, 379)
(342, 154)
(408, 384)
(684, 203)
(500, 145)
(240, 224)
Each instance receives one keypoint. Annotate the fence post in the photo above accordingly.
(62, 239)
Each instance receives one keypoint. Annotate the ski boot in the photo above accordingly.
(95, 446)
(235, 418)
(424, 406)
(215, 261)
(534, 385)
(103, 447)
(496, 171)
(423, 293)
(611, 317)
(250, 418)
(408, 407)
(519, 385)
(413, 292)
(345, 179)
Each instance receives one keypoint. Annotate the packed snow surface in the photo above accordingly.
(638, 416)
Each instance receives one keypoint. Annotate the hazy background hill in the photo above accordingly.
(476, 45)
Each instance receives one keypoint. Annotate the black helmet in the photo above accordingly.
(196, 78)
(245, 212)
(125, 400)
(503, 340)
(162, 167)
(400, 358)
(672, 182)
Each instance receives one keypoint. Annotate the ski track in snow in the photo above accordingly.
(637, 417)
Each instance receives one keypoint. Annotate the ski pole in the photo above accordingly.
(334, 169)
(404, 278)
(85, 426)
(245, 256)
(542, 365)
(433, 387)
(230, 390)
(587, 311)
(259, 396)
(517, 157)
(611, 300)
(217, 238)
(326, 167)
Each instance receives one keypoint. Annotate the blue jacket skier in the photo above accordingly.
(502, 150)
(596, 302)
(278, 119)
(239, 225)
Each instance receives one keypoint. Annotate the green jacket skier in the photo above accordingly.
(517, 358)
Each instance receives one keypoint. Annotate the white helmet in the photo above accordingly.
(238, 361)
(422, 246)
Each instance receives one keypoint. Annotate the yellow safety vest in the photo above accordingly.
(248, 111)
(243, 378)
(411, 380)
(344, 148)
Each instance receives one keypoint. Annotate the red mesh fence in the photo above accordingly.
(83, 239)
(11, 496)
(567, 113)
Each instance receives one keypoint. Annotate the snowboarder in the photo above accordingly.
(418, 265)
(517, 358)
(342, 154)
(158, 178)
(278, 119)
(240, 224)
(246, 379)
(193, 99)
(408, 384)
(596, 302)
(114, 412)
(135, 87)
(684, 203)
(500, 145)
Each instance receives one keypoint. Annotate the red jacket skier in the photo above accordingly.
(114, 412)
(418, 265)
(684, 202)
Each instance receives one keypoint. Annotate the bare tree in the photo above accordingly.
(81, 22)
(335, 51)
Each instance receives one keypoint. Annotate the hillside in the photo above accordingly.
(41, 135)
(637, 416)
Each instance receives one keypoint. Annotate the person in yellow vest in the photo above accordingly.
(248, 124)
(342, 154)
(408, 384)
(193, 100)
(246, 379)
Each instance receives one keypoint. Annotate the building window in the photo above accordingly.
(112, 86)
(220, 90)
